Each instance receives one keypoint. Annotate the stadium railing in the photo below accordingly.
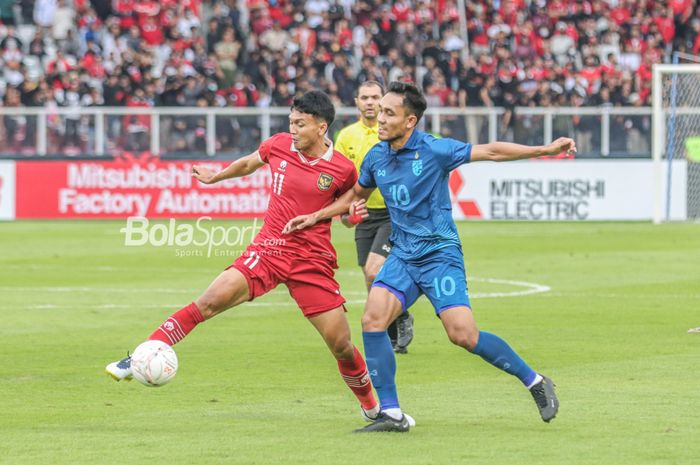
(172, 132)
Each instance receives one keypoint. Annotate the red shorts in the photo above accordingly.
(309, 279)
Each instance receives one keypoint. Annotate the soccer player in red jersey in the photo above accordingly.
(307, 174)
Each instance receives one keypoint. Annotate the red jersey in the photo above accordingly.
(302, 185)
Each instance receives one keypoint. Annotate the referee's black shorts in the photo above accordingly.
(372, 235)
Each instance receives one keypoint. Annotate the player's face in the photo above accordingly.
(394, 120)
(306, 130)
(367, 101)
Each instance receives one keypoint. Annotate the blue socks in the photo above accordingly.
(381, 364)
(498, 353)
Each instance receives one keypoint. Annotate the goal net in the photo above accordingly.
(676, 142)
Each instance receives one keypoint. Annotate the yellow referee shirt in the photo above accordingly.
(354, 142)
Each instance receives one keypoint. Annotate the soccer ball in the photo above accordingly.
(154, 363)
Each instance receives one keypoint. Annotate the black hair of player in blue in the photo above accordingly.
(316, 104)
(413, 98)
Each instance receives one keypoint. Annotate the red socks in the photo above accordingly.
(180, 323)
(354, 373)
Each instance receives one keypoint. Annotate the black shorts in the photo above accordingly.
(372, 235)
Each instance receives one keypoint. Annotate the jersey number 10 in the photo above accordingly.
(446, 286)
(400, 195)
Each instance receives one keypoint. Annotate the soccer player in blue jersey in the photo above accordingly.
(411, 169)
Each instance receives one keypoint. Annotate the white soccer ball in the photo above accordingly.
(154, 363)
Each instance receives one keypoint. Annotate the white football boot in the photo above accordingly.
(120, 370)
(370, 416)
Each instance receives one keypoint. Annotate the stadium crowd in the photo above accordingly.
(230, 53)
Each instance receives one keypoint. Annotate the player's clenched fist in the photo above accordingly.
(203, 174)
(561, 145)
(358, 212)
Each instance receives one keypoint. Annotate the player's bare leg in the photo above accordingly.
(381, 309)
(462, 330)
(335, 331)
(401, 329)
(371, 269)
(333, 327)
(229, 289)
(460, 327)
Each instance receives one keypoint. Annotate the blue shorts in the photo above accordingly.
(439, 275)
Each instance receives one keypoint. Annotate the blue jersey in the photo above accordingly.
(414, 183)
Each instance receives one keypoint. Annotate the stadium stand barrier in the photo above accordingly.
(225, 133)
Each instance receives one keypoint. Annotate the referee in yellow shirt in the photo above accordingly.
(372, 235)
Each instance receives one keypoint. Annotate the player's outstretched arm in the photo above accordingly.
(241, 167)
(352, 201)
(506, 151)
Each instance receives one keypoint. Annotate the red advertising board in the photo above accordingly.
(131, 187)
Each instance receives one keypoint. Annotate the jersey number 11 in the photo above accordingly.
(277, 181)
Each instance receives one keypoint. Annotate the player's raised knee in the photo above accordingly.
(374, 321)
(464, 338)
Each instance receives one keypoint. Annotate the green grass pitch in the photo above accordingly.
(602, 308)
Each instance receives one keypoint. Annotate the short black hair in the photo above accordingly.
(371, 83)
(413, 98)
(316, 104)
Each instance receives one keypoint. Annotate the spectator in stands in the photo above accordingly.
(7, 14)
(137, 126)
(63, 21)
(13, 130)
(227, 51)
(213, 34)
(44, 12)
(276, 38)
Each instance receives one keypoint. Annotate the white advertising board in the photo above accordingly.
(7, 190)
(569, 190)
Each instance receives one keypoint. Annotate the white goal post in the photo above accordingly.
(676, 141)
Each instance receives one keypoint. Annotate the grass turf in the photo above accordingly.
(256, 385)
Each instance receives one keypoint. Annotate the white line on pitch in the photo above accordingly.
(531, 288)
